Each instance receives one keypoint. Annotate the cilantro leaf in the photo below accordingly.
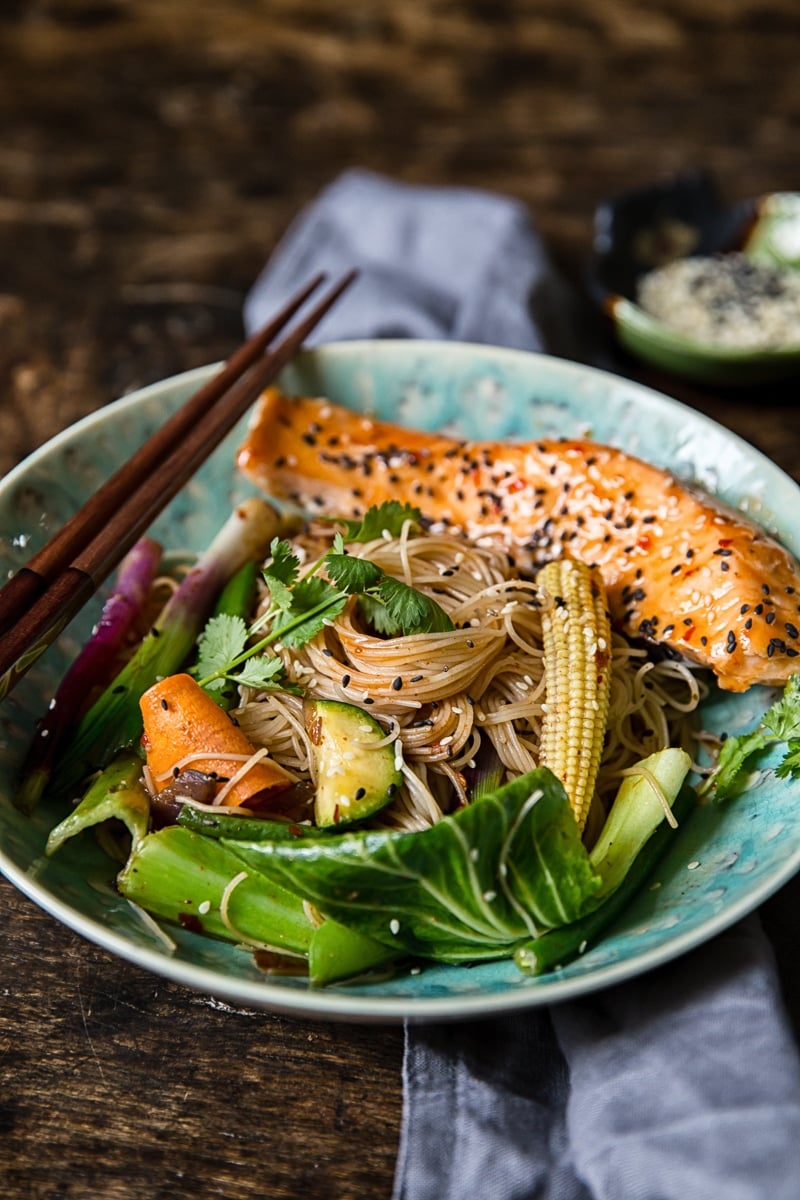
(263, 671)
(783, 718)
(314, 601)
(223, 639)
(389, 516)
(780, 723)
(284, 565)
(790, 767)
(352, 574)
(376, 614)
(394, 607)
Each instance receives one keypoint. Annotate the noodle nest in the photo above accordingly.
(446, 698)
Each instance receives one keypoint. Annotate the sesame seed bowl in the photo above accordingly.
(699, 287)
(726, 859)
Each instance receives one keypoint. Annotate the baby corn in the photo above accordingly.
(577, 665)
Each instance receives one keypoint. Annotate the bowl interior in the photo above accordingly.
(726, 860)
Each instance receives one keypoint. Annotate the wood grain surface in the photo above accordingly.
(152, 152)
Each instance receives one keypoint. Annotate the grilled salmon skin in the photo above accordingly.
(680, 569)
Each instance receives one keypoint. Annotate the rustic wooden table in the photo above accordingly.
(151, 154)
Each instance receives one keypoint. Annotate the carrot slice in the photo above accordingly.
(181, 719)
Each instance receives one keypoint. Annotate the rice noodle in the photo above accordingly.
(445, 697)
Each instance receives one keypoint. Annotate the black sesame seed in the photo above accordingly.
(397, 683)
(769, 618)
(164, 705)
(345, 680)
(360, 793)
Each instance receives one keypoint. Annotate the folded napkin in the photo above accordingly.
(683, 1084)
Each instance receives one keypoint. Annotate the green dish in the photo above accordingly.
(654, 342)
(651, 226)
(725, 862)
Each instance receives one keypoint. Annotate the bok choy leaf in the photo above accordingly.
(493, 875)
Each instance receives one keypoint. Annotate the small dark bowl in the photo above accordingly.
(649, 227)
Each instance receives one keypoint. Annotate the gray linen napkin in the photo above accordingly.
(681, 1085)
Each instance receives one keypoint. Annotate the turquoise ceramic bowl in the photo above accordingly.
(725, 862)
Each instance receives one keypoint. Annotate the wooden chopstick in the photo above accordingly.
(30, 580)
(123, 516)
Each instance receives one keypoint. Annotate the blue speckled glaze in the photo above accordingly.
(726, 860)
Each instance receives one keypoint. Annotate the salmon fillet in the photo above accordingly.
(680, 569)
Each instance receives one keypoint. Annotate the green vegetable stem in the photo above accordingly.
(91, 670)
(114, 719)
(557, 947)
(206, 887)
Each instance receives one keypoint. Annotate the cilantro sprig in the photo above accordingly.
(299, 607)
(780, 724)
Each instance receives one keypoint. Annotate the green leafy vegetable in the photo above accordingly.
(780, 724)
(352, 574)
(314, 601)
(389, 517)
(300, 606)
(284, 567)
(394, 607)
(223, 658)
(556, 947)
(472, 887)
(117, 793)
(337, 953)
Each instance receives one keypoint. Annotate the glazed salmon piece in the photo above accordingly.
(680, 569)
